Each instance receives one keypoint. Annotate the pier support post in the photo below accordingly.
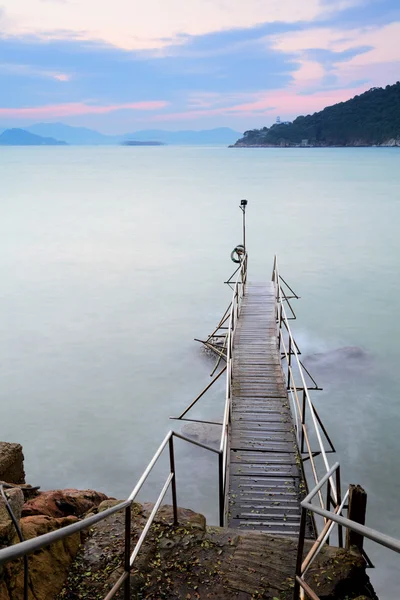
(356, 512)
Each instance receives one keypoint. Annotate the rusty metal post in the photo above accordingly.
(173, 482)
(328, 501)
(356, 512)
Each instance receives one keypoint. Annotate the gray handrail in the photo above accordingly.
(372, 534)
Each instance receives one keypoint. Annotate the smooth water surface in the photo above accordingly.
(112, 261)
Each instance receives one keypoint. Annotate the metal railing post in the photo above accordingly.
(300, 549)
(289, 363)
(221, 488)
(303, 421)
(328, 502)
(173, 482)
(127, 553)
(338, 502)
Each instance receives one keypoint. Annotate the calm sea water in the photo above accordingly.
(112, 261)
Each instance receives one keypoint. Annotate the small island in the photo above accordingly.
(370, 119)
(138, 143)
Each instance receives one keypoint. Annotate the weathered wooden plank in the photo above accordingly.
(264, 473)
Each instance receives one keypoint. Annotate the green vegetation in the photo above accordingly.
(373, 118)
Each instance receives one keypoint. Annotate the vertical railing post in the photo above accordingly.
(303, 420)
(289, 359)
(127, 553)
(328, 502)
(173, 481)
(339, 501)
(300, 549)
(221, 487)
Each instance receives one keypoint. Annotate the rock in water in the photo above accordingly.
(203, 433)
(348, 357)
(11, 463)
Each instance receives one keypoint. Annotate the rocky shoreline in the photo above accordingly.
(187, 561)
(392, 143)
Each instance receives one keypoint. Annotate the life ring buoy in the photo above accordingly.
(237, 253)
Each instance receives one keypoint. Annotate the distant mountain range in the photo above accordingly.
(20, 137)
(370, 119)
(222, 136)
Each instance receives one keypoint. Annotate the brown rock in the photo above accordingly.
(11, 463)
(48, 568)
(61, 503)
(186, 517)
(109, 503)
(7, 528)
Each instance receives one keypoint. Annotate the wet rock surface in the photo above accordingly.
(192, 561)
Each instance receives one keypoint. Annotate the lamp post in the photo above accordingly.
(243, 204)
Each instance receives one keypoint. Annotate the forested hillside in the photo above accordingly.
(373, 118)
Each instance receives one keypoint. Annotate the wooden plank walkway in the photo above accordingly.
(265, 475)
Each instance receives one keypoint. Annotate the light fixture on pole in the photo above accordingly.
(243, 204)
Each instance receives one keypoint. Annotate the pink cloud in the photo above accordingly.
(284, 102)
(78, 108)
(62, 77)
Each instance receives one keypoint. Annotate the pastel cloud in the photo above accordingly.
(32, 71)
(62, 77)
(267, 104)
(212, 62)
(378, 45)
(134, 24)
(77, 109)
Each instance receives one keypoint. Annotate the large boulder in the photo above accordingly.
(11, 463)
(48, 568)
(62, 503)
(48, 511)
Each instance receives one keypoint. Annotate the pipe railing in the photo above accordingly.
(332, 518)
(303, 410)
(24, 548)
(237, 297)
(302, 405)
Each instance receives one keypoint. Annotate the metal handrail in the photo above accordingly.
(331, 477)
(332, 518)
(24, 548)
(299, 409)
(237, 297)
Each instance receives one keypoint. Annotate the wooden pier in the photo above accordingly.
(265, 475)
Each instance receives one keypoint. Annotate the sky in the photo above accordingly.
(124, 65)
